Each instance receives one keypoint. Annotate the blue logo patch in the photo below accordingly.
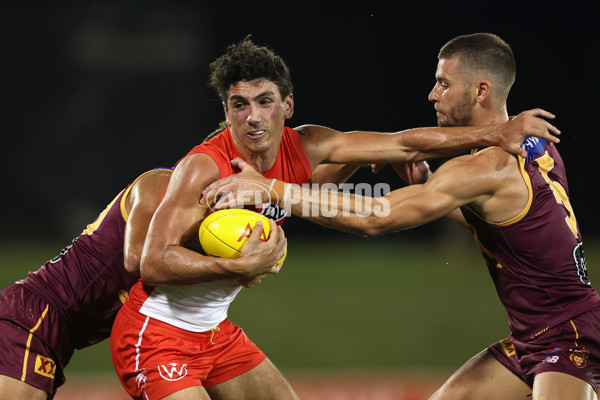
(534, 146)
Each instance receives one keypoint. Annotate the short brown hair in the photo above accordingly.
(487, 53)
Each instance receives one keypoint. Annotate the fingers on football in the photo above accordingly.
(256, 231)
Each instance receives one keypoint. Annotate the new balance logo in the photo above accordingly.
(552, 359)
(171, 372)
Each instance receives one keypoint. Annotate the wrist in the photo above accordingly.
(234, 268)
(278, 192)
(226, 268)
(492, 135)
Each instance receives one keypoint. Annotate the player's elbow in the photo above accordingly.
(372, 226)
(132, 261)
(150, 271)
(132, 254)
(150, 276)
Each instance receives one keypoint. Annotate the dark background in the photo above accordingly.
(95, 93)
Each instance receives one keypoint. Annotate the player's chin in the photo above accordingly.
(444, 122)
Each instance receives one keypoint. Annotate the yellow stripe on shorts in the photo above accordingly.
(29, 342)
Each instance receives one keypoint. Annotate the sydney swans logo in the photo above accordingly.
(171, 372)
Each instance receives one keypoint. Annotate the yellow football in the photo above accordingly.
(224, 232)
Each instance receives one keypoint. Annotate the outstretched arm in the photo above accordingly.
(450, 187)
(325, 145)
(413, 173)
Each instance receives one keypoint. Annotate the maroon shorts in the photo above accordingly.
(572, 348)
(154, 359)
(34, 341)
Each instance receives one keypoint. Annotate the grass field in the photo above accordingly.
(348, 306)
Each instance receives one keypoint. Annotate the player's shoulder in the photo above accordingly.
(153, 177)
(493, 157)
(488, 158)
(195, 163)
(317, 136)
(194, 170)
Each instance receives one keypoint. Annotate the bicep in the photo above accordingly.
(144, 198)
(180, 213)
(326, 145)
(135, 235)
(333, 173)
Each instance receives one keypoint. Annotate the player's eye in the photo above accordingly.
(265, 101)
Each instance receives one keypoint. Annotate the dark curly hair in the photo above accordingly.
(245, 61)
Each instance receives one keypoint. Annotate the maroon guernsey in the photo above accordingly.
(87, 283)
(536, 259)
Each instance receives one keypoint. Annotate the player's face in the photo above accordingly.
(256, 114)
(454, 103)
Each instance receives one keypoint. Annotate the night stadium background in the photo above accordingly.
(97, 92)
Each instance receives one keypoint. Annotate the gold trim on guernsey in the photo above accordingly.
(128, 189)
(94, 225)
(526, 179)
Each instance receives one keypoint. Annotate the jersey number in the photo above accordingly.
(546, 163)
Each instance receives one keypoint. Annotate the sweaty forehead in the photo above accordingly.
(448, 66)
(451, 69)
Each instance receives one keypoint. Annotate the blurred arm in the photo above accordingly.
(141, 203)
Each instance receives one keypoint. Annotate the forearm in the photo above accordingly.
(427, 143)
(360, 147)
(361, 215)
(178, 265)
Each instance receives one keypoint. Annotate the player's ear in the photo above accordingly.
(227, 121)
(288, 105)
(484, 88)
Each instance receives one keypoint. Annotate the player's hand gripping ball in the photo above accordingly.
(224, 232)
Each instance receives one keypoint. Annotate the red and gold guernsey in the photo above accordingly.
(87, 282)
(201, 307)
(291, 165)
(536, 259)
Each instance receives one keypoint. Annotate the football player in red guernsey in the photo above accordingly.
(175, 341)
